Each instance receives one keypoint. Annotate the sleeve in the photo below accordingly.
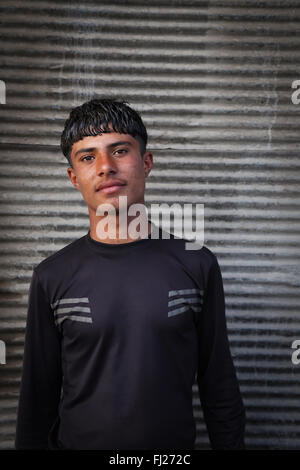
(219, 392)
(41, 373)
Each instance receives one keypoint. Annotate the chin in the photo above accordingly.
(112, 201)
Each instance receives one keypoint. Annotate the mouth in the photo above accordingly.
(110, 188)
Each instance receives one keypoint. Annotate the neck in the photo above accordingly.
(115, 229)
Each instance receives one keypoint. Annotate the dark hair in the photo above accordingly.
(98, 116)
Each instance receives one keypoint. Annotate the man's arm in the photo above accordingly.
(41, 374)
(220, 396)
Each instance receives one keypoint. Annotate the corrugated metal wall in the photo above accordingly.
(212, 80)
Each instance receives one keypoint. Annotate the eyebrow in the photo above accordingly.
(109, 146)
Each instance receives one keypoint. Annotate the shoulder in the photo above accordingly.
(198, 261)
(60, 258)
(188, 248)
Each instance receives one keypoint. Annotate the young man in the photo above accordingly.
(118, 329)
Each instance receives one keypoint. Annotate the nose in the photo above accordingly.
(106, 165)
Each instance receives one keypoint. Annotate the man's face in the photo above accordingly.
(105, 159)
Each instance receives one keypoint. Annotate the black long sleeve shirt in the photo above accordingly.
(116, 335)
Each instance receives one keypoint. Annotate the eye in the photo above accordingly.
(120, 151)
(87, 158)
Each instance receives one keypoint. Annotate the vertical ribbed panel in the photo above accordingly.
(212, 80)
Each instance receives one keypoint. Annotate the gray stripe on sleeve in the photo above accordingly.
(184, 300)
(183, 309)
(69, 301)
(74, 318)
(73, 309)
(185, 292)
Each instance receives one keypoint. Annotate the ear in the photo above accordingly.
(73, 177)
(148, 163)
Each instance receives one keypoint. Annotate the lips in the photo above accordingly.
(110, 186)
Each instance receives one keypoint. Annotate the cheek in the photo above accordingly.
(84, 179)
(135, 171)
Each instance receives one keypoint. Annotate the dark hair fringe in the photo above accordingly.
(98, 116)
